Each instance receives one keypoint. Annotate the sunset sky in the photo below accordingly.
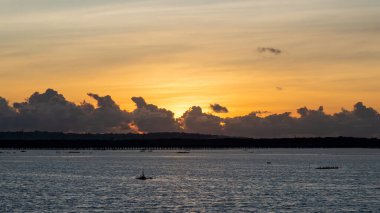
(178, 54)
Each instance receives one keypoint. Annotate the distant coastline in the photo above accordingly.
(52, 140)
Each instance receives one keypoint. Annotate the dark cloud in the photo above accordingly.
(150, 118)
(107, 116)
(139, 101)
(5, 109)
(251, 125)
(50, 111)
(195, 121)
(104, 102)
(7, 115)
(218, 108)
(279, 88)
(271, 50)
(362, 121)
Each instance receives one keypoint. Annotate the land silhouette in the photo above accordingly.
(59, 140)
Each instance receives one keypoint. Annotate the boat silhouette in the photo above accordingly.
(142, 177)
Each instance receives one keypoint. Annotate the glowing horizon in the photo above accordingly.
(180, 108)
(178, 54)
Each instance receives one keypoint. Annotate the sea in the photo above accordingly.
(230, 180)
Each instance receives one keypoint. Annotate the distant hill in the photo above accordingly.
(58, 140)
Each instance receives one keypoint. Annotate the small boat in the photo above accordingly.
(142, 177)
(327, 167)
(268, 162)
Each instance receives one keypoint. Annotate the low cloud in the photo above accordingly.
(218, 108)
(107, 116)
(150, 118)
(196, 121)
(7, 115)
(271, 50)
(362, 121)
(50, 111)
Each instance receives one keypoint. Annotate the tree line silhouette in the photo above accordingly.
(57, 140)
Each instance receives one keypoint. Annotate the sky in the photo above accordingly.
(246, 55)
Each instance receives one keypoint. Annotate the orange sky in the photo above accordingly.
(177, 54)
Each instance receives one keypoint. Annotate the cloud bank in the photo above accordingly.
(50, 111)
(150, 118)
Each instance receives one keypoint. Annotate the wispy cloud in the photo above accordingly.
(271, 50)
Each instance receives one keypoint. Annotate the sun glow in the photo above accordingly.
(234, 53)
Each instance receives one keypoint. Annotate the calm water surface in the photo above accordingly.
(200, 181)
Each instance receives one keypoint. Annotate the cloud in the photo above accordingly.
(271, 50)
(150, 118)
(50, 111)
(5, 109)
(362, 121)
(107, 116)
(259, 112)
(251, 125)
(104, 102)
(218, 108)
(195, 121)
(7, 115)
(139, 101)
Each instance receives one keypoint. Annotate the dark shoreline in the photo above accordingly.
(44, 140)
